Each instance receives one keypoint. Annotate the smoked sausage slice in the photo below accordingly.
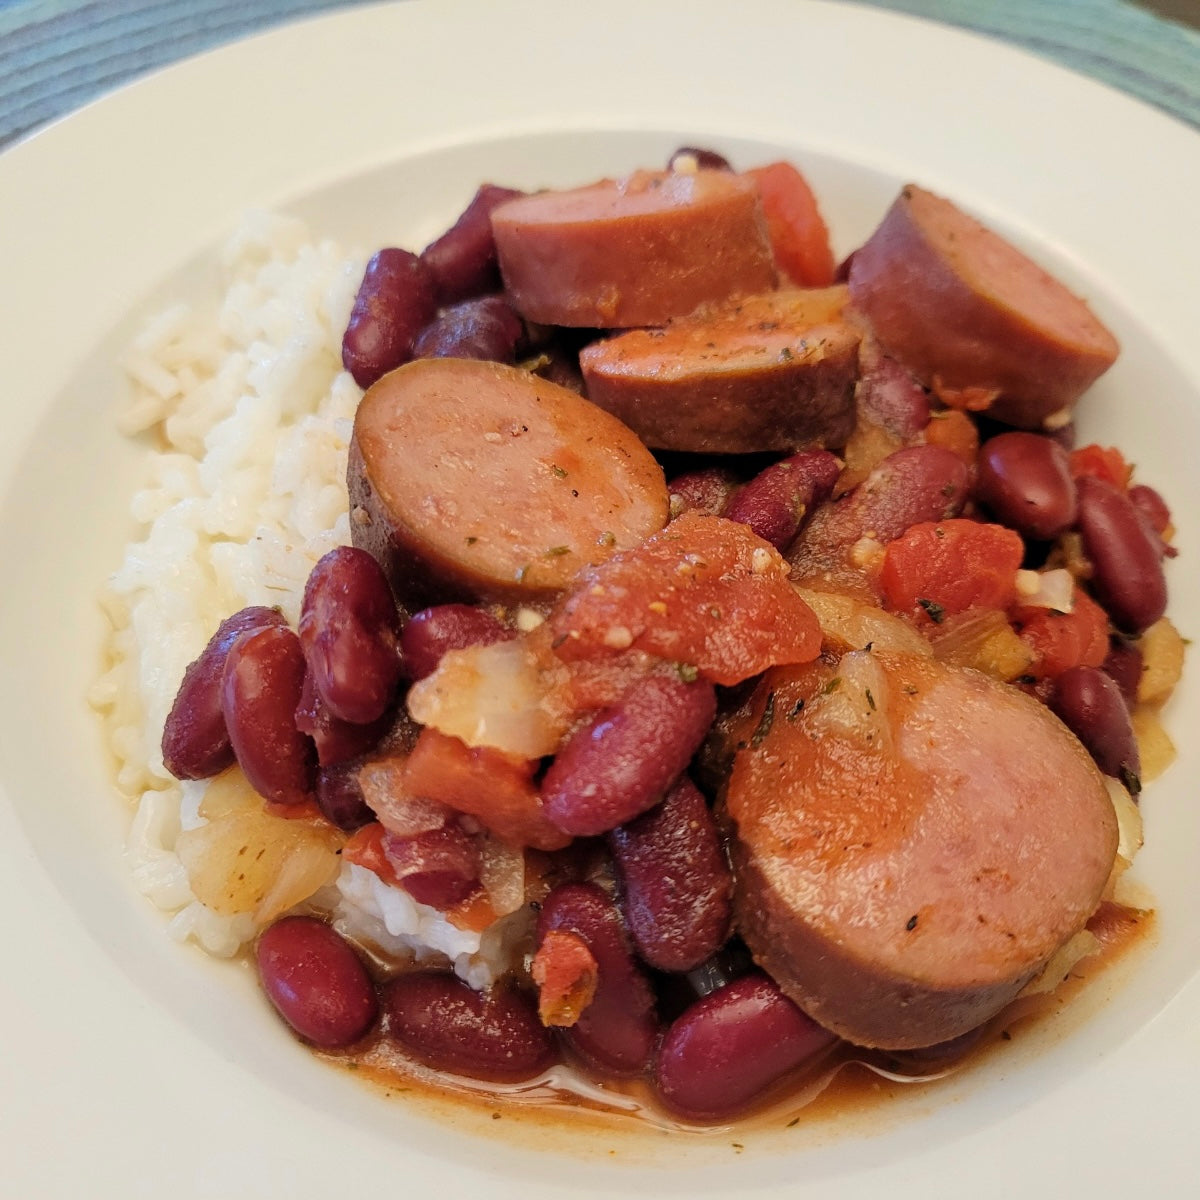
(476, 480)
(902, 866)
(972, 317)
(769, 372)
(633, 251)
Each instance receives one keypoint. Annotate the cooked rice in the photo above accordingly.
(247, 416)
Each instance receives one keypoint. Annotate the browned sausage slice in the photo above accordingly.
(769, 372)
(914, 841)
(972, 317)
(480, 480)
(634, 251)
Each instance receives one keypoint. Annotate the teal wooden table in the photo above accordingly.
(56, 55)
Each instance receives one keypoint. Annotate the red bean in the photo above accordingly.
(1024, 479)
(195, 741)
(316, 981)
(430, 633)
(1091, 706)
(439, 867)
(462, 261)
(485, 328)
(890, 397)
(623, 761)
(1152, 506)
(617, 1030)
(395, 301)
(728, 1048)
(493, 1035)
(707, 160)
(560, 364)
(1124, 666)
(1127, 577)
(260, 692)
(350, 632)
(676, 884)
(336, 740)
(775, 501)
(918, 483)
(340, 797)
(707, 489)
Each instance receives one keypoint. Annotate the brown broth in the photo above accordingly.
(850, 1082)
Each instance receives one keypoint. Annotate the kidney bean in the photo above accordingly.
(336, 740)
(707, 160)
(676, 884)
(1152, 506)
(485, 328)
(439, 867)
(395, 301)
(340, 797)
(706, 489)
(621, 762)
(617, 1030)
(195, 741)
(918, 483)
(889, 396)
(721, 1054)
(430, 633)
(350, 632)
(316, 981)
(260, 691)
(1091, 706)
(1126, 562)
(493, 1035)
(775, 501)
(1024, 479)
(462, 261)
(560, 365)
(1124, 666)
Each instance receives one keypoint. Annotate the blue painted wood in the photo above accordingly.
(56, 55)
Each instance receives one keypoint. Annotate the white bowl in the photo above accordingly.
(163, 1071)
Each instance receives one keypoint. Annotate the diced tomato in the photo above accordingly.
(954, 431)
(705, 593)
(492, 786)
(795, 226)
(566, 973)
(1061, 640)
(1102, 462)
(937, 568)
(365, 849)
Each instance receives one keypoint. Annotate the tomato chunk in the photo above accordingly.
(795, 227)
(1060, 640)
(1101, 462)
(492, 786)
(937, 568)
(705, 592)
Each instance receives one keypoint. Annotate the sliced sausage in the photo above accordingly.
(972, 317)
(917, 915)
(768, 372)
(476, 480)
(634, 251)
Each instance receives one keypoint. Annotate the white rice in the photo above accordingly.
(247, 414)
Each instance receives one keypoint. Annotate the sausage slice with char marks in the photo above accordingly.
(769, 372)
(974, 318)
(475, 480)
(636, 251)
(913, 842)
